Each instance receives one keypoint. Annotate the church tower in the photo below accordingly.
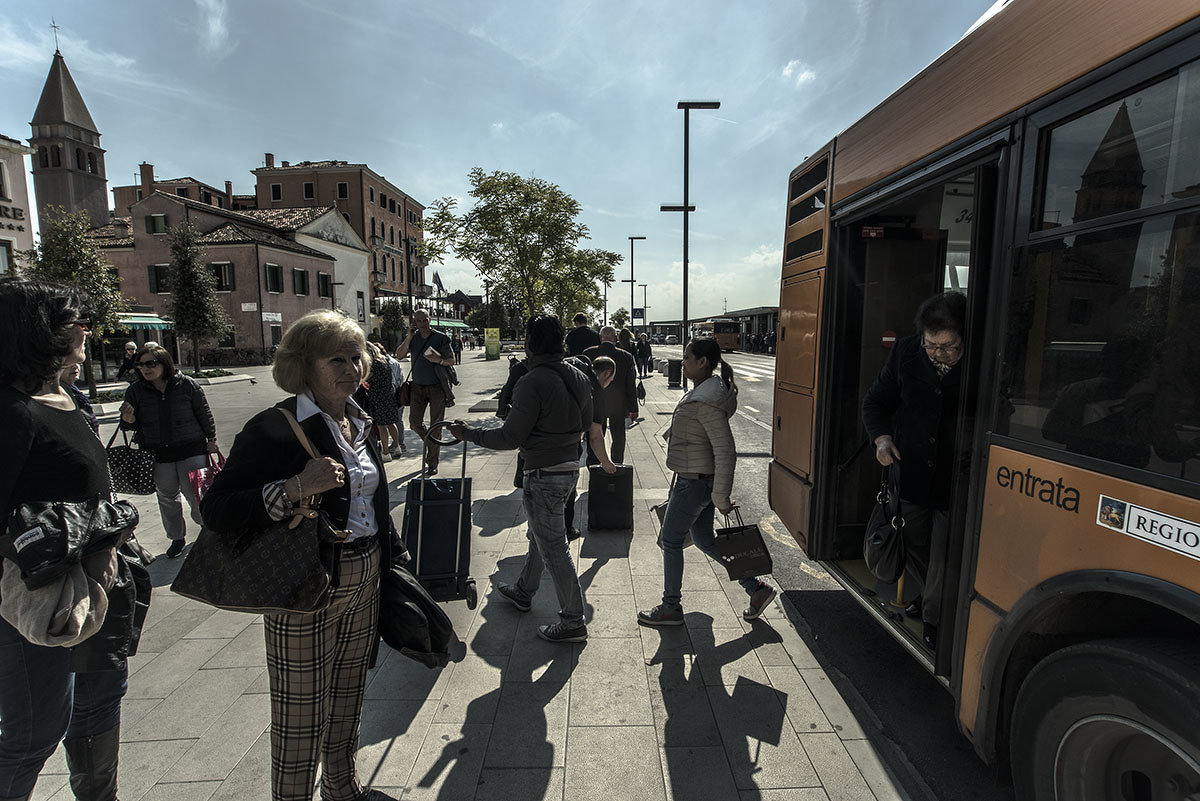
(68, 163)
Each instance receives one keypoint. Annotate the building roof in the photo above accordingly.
(290, 219)
(117, 234)
(314, 165)
(61, 101)
(185, 180)
(234, 234)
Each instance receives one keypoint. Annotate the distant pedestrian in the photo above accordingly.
(456, 345)
(127, 371)
(620, 398)
(381, 401)
(170, 414)
(625, 342)
(551, 409)
(67, 377)
(580, 338)
(432, 359)
(644, 355)
(317, 663)
(398, 431)
(700, 449)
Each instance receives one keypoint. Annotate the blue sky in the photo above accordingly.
(582, 94)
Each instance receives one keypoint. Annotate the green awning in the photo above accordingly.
(146, 321)
(448, 323)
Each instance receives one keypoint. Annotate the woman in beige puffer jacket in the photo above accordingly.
(701, 452)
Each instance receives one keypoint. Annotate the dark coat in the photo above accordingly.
(177, 416)
(580, 339)
(620, 397)
(909, 402)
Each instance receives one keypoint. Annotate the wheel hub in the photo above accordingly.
(1111, 758)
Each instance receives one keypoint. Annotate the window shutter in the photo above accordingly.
(150, 225)
(232, 276)
(153, 272)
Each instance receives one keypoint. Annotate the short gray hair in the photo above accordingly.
(315, 335)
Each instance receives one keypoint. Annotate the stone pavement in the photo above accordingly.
(717, 709)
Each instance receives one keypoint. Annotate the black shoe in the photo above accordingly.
(431, 470)
(175, 549)
(930, 636)
(914, 608)
(573, 534)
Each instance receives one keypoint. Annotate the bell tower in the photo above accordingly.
(68, 162)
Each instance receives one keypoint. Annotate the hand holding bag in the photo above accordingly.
(132, 468)
(883, 543)
(202, 479)
(288, 568)
(742, 549)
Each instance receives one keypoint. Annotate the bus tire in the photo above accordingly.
(1109, 719)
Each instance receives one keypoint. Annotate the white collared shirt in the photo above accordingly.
(362, 476)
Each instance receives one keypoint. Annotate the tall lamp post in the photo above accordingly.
(630, 281)
(645, 308)
(687, 106)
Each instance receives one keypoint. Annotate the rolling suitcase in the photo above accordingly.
(610, 498)
(436, 530)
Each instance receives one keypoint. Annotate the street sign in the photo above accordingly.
(639, 314)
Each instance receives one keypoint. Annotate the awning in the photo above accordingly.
(448, 323)
(147, 321)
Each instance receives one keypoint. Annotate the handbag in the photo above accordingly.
(45, 539)
(410, 621)
(202, 478)
(660, 511)
(883, 542)
(289, 567)
(641, 391)
(132, 468)
(404, 394)
(742, 550)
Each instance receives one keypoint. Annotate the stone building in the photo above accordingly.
(125, 196)
(16, 230)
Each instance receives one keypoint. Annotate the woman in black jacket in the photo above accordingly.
(317, 663)
(910, 413)
(170, 413)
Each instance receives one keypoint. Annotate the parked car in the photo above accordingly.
(672, 339)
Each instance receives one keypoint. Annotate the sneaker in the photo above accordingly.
(661, 615)
(758, 601)
(510, 593)
(561, 632)
(387, 457)
(175, 549)
(395, 451)
(431, 470)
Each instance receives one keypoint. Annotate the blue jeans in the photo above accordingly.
(42, 701)
(690, 509)
(545, 497)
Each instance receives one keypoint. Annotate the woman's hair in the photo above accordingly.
(709, 349)
(158, 352)
(625, 337)
(316, 335)
(544, 333)
(944, 312)
(37, 322)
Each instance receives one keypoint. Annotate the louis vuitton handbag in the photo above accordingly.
(289, 567)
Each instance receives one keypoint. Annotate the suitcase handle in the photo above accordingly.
(439, 425)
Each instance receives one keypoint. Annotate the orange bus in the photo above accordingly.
(1047, 166)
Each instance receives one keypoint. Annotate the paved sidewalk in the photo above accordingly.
(717, 709)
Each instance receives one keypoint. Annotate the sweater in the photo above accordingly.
(699, 439)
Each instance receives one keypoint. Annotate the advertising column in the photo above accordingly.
(491, 343)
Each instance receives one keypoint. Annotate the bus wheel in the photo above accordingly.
(1110, 720)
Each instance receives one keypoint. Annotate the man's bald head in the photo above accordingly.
(608, 334)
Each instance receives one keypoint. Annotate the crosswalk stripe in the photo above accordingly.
(756, 373)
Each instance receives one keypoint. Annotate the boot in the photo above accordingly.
(93, 765)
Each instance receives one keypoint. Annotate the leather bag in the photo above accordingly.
(883, 542)
(410, 621)
(47, 538)
(288, 568)
(404, 394)
(742, 549)
(132, 468)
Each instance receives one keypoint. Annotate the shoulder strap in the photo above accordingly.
(299, 432)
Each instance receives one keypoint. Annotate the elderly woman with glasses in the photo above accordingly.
(170, 414)
(911, 414)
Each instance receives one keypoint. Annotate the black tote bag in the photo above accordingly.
(132, 468)
(883, 542)
(742, 549)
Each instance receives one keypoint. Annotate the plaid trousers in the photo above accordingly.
(317, 665)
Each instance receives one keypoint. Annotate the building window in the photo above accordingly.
(4, 181)
(274, 278)
(309, 194)
(276, 191)
(300, 281)
(206, 196)
(223, 272)
(159, 284)
(371, 193)
(391, 235)
(362, 308)
(79, 162)
(382, 200)
(228, 341)
(57, 154)
(347, 216)
(324, 285)
(91, 162)
(392, 206)
(276, 334)
(220, 201)
(43, 156)
(343, 190)
(156, 223)
(182, 191)
(372, 226)
(6, 256)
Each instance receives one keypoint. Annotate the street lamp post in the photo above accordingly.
(645, 308)
(630, 281)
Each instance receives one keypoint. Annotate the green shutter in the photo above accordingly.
(153, 274)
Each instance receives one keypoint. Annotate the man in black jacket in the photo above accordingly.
(580, 338)
(620, 397)
(551, 408)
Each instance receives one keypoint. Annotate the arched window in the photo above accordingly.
(79, 163)
(372, 226)
(56, 156)
(43, 156)
(391, 235)
(91, 162)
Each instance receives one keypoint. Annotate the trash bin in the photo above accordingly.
(674, 373)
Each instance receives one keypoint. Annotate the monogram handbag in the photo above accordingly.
(289, 567)
(883, 542)
(742, 549)
(132, 468)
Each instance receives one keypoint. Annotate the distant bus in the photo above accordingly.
(1047, 166)
(727, 333)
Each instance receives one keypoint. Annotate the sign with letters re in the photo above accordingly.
(1157, 528)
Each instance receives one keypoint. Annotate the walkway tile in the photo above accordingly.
(608, 687)
(449, 763)
(531, 726)
(763, 750)
(682, 714)
(390, 740)
(613, 763)
(526, 784)
(697, 774)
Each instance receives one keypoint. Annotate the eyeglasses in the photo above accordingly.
(149, 365)
(945, 350)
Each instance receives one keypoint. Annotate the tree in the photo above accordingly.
(522, 235)
(194, 306)
(65, 255)
(478, 318)
(391, 323)
(619, 318)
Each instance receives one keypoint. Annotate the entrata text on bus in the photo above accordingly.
(991, 284)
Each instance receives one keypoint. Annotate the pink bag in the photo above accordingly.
(202, 479)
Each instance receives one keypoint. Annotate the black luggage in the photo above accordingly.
(610, 498)
(437, 532)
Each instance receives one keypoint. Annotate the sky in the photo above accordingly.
(581, 94)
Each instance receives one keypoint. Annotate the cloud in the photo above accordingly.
(497, 129)
(214, 27)
(31, 50)
(798, 73)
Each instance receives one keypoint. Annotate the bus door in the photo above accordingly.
(889, 260)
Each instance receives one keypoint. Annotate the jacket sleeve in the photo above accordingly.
(520, 421)
(883, 399)
(720, 436)
(204, 415)
(235, 500)
(631, 400)
(132, 400)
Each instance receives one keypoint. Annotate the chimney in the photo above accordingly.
(286, 163)
(147, 178)
(270, 159)
(229, 194)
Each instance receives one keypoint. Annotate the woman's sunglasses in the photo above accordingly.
(149, 364)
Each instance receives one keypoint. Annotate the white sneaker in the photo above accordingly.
(387, 457)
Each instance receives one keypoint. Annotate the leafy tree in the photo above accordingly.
(619, 318)
(194, 306)
(65, 255)
(478, 318)
(392, 323)
(522, 235)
